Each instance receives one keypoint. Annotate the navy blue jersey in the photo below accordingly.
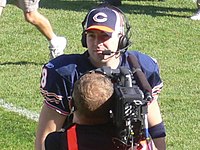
(59, 75)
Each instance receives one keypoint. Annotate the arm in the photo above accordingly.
(49, 121)
(154, 118)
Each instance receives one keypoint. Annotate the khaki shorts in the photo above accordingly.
(2, 3)
(28, 5)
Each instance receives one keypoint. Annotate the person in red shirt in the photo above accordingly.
(92, 129)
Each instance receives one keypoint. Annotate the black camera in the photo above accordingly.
(129, 112)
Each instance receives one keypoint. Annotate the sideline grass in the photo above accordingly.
(160, 29)
(16, 132)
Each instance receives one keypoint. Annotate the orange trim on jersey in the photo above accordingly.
(72, 138)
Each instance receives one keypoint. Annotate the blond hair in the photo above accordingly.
(92, 95)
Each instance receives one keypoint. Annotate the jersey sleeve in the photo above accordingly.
(155, 82)
(55, 89)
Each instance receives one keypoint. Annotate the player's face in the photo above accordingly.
(99, 41)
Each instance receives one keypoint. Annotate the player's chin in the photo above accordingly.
(101, 58)
(98, 56)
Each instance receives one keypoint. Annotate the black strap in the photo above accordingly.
(140, 77)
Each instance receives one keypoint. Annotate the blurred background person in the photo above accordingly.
(2, 5)
(196, 16)
(30, 8)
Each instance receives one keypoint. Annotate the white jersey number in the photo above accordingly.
(44, 77)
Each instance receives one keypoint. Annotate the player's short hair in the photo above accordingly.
(93, 95)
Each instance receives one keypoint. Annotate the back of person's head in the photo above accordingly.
(93, 95)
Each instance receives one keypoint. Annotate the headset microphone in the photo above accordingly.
(109, 52)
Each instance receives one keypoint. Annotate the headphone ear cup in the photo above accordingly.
(83, 40)
(123, 42)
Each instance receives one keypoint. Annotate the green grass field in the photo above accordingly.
(162, 30)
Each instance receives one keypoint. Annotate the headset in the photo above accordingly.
(124, 40)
